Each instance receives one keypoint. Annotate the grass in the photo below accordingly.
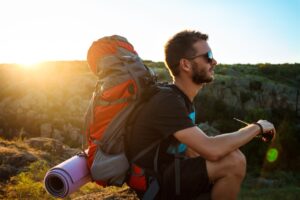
(29, 185)
(281, 185)
(284, 193)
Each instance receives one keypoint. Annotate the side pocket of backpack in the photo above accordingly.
(111, 168)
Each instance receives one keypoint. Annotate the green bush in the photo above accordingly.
(245, 96)
(256, 114)
(25, 188)
(29, 184)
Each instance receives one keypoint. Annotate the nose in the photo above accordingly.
(214, 62)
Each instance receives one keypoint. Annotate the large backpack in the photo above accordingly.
(122, 81)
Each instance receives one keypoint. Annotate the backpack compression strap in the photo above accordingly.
(153, 188)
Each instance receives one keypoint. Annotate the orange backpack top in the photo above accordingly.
(122, 78)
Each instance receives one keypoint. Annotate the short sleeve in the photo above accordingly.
(172, 115)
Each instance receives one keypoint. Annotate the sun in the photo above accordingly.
(28, 62)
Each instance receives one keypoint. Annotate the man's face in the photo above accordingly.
(202, 64)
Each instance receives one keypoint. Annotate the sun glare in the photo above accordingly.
(272, 154)
(28, 65)
(28, 62)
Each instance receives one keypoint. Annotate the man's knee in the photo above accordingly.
(233, 164)
(238, 163)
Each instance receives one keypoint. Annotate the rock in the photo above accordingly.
(57, 134)
(72, 132)
(46, 156)
(13, 159)
(6, 171)
(75, 134)
(51, 147)
(46, 130)
(16, 156)
(46, 144)
(21, 159)
(69, 152)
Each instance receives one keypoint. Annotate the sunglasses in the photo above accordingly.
(209, 56)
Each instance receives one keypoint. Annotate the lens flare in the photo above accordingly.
(272, 154)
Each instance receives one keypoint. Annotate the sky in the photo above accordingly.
(240, 31)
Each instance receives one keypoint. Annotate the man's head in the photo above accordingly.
(188, 50)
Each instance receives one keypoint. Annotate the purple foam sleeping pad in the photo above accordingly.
(67, 177)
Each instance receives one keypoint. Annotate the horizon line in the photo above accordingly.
(144, 60)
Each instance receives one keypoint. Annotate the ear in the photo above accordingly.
(185, 65)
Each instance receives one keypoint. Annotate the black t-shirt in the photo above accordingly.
(167, 112)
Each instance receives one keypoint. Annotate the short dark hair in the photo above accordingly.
(181, 46)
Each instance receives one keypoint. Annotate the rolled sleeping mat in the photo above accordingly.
(67, 177)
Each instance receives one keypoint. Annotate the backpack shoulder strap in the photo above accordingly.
(146, 150)
(149, 93)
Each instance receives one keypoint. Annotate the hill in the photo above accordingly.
(49, 101)
(24, 164)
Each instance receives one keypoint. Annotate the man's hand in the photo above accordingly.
(268, 130)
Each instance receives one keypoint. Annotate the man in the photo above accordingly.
(207, 163)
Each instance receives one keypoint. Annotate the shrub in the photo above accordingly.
(255, 85)
(25, 188)
(245, 96)
(29, 185)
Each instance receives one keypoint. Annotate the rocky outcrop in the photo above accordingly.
(246, 93)
(13, 161)
(15, 156)
(46, 130)
(47, 102)
(52, 147)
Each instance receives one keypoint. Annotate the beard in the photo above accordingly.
(200, 76)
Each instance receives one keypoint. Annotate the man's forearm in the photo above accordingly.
(229, 142)
(214, 148)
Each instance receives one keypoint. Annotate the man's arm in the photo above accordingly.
(191, 153)
(214, 148)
